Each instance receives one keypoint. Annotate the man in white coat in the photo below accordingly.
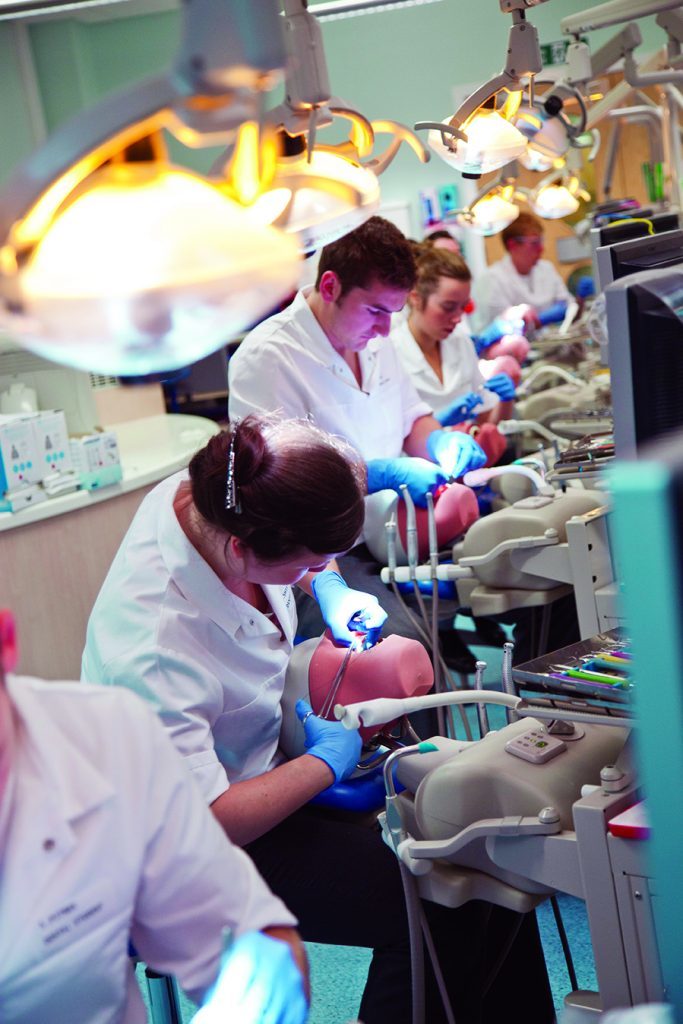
(521, 277)
(104, 839)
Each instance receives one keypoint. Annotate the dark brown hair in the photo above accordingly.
(433, 264)
(523, 225)
(434, 236)
(375, 251)
(297, 487)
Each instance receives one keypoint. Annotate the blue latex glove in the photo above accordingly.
(459, 409)
(258, 981)
(419, 475)
(455, 452)
(332, 742)
(347, 611)
(502, 385)
(553, 314)
(497, 329)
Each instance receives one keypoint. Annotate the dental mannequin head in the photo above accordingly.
(440, 295)
(398, 666)
(362, 279)
(297, 500)
(523, 240)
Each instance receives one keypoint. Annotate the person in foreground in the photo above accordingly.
(104, 840)
(197, 614)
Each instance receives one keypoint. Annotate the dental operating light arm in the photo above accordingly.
(310, 105)
(615, 12)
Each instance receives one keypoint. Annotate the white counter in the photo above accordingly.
(53, 567)
(151, 449)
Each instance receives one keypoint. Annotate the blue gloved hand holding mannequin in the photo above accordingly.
(346, 611)
(419, 476)
(496, 330)
(460, 409)
(258, 981)
(331, 742)
(502, 385)
(553, 314)
(455, 452)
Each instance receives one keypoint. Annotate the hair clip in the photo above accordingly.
(231, 500)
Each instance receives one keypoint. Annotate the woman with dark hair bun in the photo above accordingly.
(197, 613)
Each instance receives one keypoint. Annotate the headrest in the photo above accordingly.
(455, 509)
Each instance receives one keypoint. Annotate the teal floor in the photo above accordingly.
(338, 972)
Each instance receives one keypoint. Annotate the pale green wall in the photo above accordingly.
(401, 65)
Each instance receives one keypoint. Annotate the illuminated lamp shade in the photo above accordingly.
(535, 161)
(489, 216)
(547, 139)
(491, 143)
(148, 269)
(553, 202)
(317, 202)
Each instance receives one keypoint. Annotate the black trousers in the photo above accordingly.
(344, 886)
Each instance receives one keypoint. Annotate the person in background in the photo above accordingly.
(197, 615)
(326, 357)
(104, 840)
(438, 353)
(443, 239)
(521, 278)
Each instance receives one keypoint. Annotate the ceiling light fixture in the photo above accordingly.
(337, 10)
(112, 259)
(314, 191)
(480, 137)
(494, 207)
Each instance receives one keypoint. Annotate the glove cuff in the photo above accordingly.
(325, 579)
(321, 757)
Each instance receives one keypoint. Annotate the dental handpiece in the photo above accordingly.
(411, 529)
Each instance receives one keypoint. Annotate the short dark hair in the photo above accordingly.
(297, 487)
(523, 225)
(375, 251)
(439, 233)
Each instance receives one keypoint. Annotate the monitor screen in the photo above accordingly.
(645, 328)
(629, 257)
(635, 226)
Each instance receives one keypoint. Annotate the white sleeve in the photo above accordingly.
(412, 406)
(491, 298)
(562, 293)
(262, 378)
(187, 699)
(194, 882)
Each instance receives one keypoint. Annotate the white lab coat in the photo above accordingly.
(500, 286)
(287, 363)
(459, 363)
(214, 667)
(105, 838)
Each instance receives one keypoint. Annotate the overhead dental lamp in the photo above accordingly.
(481, 136)
(111, 258)
(494, 207)
(559, 193)
(314, 191)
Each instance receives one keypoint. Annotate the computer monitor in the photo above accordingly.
(622, 258)
(645, 329)
(636, 226)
